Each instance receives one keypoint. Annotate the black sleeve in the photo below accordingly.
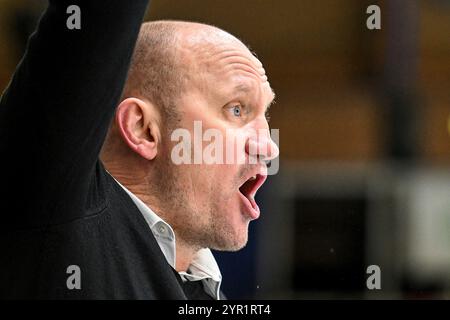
(57, 108)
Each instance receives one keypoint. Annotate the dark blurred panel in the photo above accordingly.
(329, 245)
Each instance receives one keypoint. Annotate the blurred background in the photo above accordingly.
(364, 125)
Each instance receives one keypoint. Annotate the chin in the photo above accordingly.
(230, 226)
(233, 239)
(231, 247)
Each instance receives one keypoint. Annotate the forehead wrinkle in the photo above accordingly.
(222, 56)
(237, 64)
(237, 57)
(233, 52)
(239, 70)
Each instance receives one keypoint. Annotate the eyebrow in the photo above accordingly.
(242, 87)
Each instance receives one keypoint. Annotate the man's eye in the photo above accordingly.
(237, 111)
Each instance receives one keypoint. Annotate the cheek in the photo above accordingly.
(225, 185)
(205, 181)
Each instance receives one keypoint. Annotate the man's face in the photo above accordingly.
(213, 203)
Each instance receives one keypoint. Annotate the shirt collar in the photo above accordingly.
(203, 267)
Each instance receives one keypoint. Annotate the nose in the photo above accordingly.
(262, 146)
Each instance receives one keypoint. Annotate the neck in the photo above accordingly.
(184, 256)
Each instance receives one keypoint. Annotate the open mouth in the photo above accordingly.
(248, 191)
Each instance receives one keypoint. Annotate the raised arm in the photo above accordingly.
(56, 111)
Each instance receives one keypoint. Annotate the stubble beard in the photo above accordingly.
(199, 225)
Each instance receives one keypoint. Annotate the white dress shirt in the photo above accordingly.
(203, 267)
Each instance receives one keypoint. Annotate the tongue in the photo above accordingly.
(245, 189)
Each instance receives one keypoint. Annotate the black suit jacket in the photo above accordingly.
(58, 205)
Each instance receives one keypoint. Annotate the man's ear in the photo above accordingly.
(138, 123)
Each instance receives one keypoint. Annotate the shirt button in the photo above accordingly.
(162, 229)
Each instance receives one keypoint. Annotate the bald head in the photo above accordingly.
(155, 72)
(172, 58)
(168, 56)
